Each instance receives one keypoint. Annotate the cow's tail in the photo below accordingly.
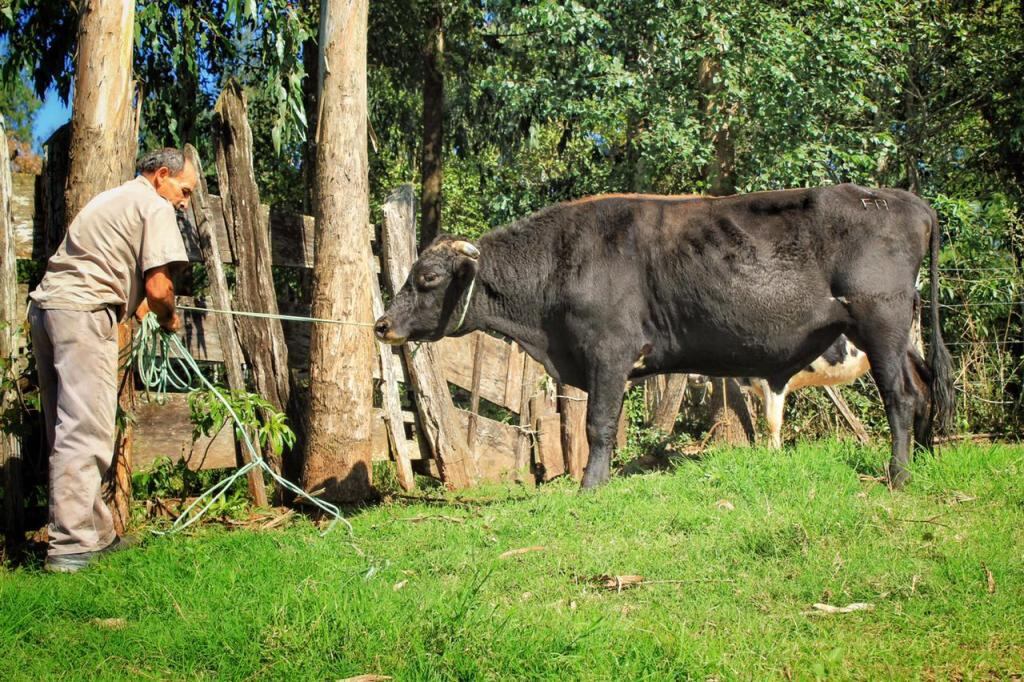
(943, 398)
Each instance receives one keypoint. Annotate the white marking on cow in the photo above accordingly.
(822, 373)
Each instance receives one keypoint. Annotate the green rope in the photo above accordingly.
(152, 355)
(276, 316)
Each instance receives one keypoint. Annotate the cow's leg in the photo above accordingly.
(604, 403)
(882, 331)
(774, 404)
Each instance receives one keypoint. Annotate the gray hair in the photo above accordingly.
(170, 158)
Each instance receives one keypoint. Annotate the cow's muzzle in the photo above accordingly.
(386, 333)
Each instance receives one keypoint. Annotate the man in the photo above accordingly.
(120, 251)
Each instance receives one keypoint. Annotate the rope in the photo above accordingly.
(465, 308)
(151, 353)
(276, 316)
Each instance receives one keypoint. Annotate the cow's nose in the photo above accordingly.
(382, 327)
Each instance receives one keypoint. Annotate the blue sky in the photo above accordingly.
(52, 115)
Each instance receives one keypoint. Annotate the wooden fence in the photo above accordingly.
(542, 433)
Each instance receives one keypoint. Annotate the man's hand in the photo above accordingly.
(160, 297)
(142, 310)
(174, 325)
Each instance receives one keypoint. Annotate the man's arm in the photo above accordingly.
(160, 298)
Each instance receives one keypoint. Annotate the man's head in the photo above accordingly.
(171, 175)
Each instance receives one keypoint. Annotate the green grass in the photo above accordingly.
(430, 598)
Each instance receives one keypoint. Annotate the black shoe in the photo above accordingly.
(72, 563)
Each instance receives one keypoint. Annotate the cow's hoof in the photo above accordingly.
(592, 482)
(897, 477)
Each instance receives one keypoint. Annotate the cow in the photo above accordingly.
(613, 287)
(841, 363)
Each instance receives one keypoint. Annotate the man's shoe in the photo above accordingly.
(121, 542)
(72, 563)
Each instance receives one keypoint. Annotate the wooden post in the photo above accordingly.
(851, 419)
(10, 446)
(53, 211)
(524, 444)
(572, 403)
(474, 395)
(548, 437)
(437, 420)
(731, 422)
(338, 449)
(208, 244)
(392, 403)
(261, 340)
(665, 397)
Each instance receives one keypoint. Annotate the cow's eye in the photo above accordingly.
(429, 280)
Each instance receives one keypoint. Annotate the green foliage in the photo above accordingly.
(18, 104)
(256, 416)
(166, 479)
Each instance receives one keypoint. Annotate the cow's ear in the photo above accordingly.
(466, 267)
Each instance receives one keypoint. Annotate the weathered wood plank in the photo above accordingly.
(496, 444)
(439, 427)
(665, 394)
(209, 246)
(392, 403)
(10, 445)
(262, 340)
(165, 430)
(852, 421)
(549, 446)
(531, 376)
(572, 403)
(457, 354)
(23, 214)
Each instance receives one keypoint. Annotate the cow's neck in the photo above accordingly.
(508, 296)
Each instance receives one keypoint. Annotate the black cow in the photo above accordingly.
(611, 287)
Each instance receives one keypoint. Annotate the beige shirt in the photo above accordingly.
(117, 237)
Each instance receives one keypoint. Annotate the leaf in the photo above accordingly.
(618, 582)
(109, 623)
(523, 550)
(849, 608)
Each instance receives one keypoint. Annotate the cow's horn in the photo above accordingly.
(466, 249)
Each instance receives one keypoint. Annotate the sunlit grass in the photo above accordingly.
(736, 547)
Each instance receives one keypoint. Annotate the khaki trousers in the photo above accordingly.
(76, 357)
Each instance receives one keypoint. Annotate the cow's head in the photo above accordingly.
(433, 299)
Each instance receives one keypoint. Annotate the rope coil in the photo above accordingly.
(152, 352)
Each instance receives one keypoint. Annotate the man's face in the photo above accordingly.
(177, 189)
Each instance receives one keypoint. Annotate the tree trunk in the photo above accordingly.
(103, 137)
(730, 418)
(10, 445)
(720, 173)
(341, 357)
(433, 125)
(104, 142)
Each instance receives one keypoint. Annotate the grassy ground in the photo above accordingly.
(744, 542)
